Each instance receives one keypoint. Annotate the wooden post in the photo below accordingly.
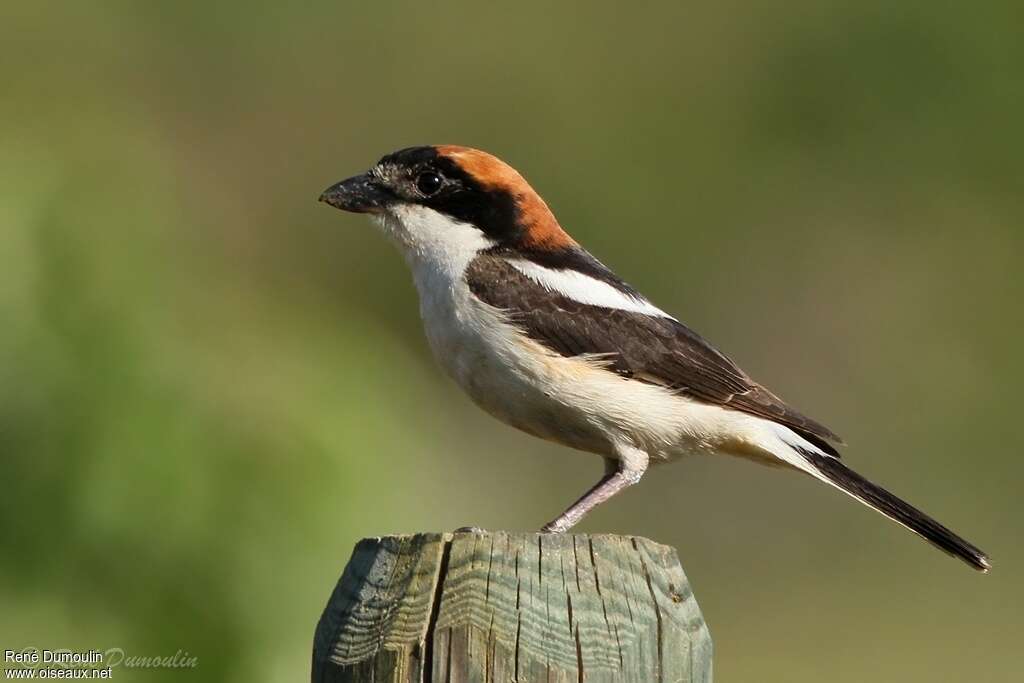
(500, 606)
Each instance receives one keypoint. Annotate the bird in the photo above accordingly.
(546, 338)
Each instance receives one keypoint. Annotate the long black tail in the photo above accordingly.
(892, 507)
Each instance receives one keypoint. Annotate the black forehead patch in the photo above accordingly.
(410, 157)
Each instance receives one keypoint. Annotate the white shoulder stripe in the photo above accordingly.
(585, 289)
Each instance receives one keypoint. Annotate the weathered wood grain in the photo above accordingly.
(499, 606)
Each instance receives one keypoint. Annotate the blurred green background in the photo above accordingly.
(211, 385)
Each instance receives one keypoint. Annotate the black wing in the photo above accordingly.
(650, 349)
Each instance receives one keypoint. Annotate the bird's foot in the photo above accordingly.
(557, 526)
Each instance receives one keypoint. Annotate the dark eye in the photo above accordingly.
(428, 183)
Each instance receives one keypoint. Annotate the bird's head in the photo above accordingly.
(446, 197)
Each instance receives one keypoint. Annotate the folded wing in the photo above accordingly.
(653, 348)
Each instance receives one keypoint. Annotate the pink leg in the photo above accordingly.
(618, 475)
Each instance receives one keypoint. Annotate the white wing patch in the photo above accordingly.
(585, 289)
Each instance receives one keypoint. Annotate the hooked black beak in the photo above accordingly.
(359, 194)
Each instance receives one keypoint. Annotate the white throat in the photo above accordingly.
(438, 248)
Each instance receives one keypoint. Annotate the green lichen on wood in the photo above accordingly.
(512, 607)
